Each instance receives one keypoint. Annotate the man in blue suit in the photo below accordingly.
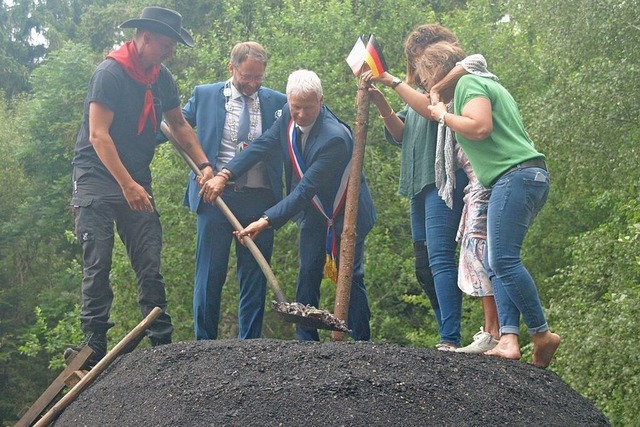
(228, 116)
(317, 148)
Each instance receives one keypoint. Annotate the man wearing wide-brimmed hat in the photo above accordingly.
(129, 94)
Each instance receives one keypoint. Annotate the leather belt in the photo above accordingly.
(231, 186)
(533, 163)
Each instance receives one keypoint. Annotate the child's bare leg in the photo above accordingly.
(491, 323)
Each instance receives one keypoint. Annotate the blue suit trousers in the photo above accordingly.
(214, 238)
(312, 260)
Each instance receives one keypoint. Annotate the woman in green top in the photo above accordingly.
(489, 129)
(431, 219)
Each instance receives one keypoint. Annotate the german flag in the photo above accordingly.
(374, 57)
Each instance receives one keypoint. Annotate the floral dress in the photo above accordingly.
(472, 234)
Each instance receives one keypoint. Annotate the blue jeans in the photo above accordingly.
(432, 220)
(516, 199)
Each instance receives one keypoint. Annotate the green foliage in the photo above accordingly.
(11, 296)
(17, 55)
(574, 71)
(602, 289)
(51, 338)
(38, 264)
(572, 67)
(20, 278)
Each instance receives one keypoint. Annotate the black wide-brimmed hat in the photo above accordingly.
(162, 21)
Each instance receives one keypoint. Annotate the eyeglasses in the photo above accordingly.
(247, 78)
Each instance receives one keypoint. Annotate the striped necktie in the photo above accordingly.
(243, 121)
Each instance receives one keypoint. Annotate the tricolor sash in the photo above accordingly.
(339, 196)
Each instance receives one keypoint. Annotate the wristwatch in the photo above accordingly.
(395, 82)
(266, 218)
(226, 173)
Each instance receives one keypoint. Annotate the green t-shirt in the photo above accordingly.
(417, 169)
(508, 145)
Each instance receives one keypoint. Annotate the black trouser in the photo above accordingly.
(141, 234)
(423, 272)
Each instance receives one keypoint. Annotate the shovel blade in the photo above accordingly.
(309, 317)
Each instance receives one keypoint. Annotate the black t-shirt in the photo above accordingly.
(112, 87)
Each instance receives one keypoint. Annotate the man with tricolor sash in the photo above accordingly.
(316, 147)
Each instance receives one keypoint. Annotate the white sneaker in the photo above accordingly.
(482, 341)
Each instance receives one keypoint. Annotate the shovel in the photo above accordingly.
(304, 315)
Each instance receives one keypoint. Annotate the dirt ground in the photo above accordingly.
(291, 383)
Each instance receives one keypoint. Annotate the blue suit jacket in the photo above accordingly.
(205, 111)
(328, 148)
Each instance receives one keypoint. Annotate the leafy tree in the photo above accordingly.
(574, 71)
(571, 66)
(12, 182)
(602, 288)
(38, 263)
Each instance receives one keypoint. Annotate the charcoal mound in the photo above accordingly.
(269, 382)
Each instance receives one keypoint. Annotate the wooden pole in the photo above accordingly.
(116, 351)
(348, 237)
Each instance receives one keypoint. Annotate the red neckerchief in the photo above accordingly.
(127, 57)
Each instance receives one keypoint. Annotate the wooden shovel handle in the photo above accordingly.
(250, 244)
(253, 248)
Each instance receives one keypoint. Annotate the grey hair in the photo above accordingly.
(304, 82)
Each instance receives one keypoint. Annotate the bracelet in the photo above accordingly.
(204, 165)
(441, 118)
(386, 117)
